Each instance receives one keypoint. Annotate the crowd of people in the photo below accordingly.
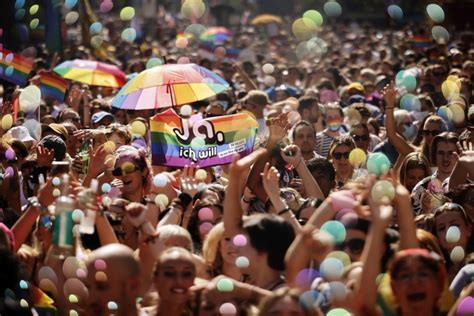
(356, 200)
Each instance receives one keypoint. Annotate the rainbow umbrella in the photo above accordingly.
(216, 35)
(92, 73)
(168, 85)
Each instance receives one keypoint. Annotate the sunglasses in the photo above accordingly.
(125, 169)
(355, 245)
(360, 137)
(338, 156)
(432, 133)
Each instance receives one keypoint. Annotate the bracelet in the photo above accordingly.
(285, 210)
(33, 201)
(185, 199)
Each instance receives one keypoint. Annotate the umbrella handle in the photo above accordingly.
(170, 91)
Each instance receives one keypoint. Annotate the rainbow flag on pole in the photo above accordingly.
(53, 86)
(176, 142)
(14, 68)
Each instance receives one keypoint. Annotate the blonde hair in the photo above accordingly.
(211, 247)
(168, 231)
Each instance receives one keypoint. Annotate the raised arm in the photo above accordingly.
(277, 131)
(292, 154)
(23, 226)
(270, 183)
(402, 146)
(366, 288)
(238, 170)
(405, 217)
(249, 83)
(464, 169)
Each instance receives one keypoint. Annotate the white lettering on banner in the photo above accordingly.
(189, 133)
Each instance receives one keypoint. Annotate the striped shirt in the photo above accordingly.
(323, 142)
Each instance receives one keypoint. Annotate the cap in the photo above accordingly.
(356, 98)
(256, 97)
(21, 133)
(99, 116)
(57, 129)
(357, 86)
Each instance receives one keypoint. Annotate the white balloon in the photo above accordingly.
(30, 99)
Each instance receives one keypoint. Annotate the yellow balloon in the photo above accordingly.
(357, 157)
(138, 128)
(109, 147)
(7, 121)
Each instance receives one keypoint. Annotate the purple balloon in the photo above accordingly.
(9, 172)
(466, 307)
(10, 154)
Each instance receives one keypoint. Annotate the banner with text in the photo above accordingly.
(176, 142)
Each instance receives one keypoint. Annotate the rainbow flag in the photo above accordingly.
(53, 86)
(14, 68)
(176, 142)
(421, 41)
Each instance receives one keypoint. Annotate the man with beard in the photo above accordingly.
(309, 111)
(304, 136)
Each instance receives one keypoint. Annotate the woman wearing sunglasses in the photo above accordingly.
(132, 169)
(339, 151)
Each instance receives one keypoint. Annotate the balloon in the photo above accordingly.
(30, 99)
(7, 121)
(225, 285)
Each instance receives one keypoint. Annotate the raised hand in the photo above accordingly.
(389, 94)
(291, 154)
(270, 179)
(240, 165)
(467, 155)
(278, 127)
(188, 183)
(97, 160)
(45, 156)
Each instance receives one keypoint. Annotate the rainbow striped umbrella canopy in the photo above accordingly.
(217, 35)
(168, 85)
(91, 72)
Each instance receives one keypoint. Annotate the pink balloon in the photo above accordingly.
(206, 214)
(342, 199)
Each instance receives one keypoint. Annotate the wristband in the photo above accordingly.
(285, 210)
(184, 199)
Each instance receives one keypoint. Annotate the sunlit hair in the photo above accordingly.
(120, 130)
(293, 294)
(447, 137)
(414, 160)
(139, 158)
(211, 248)
(429, 242)
(168, 231)
(452, 207)
(173, 253)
